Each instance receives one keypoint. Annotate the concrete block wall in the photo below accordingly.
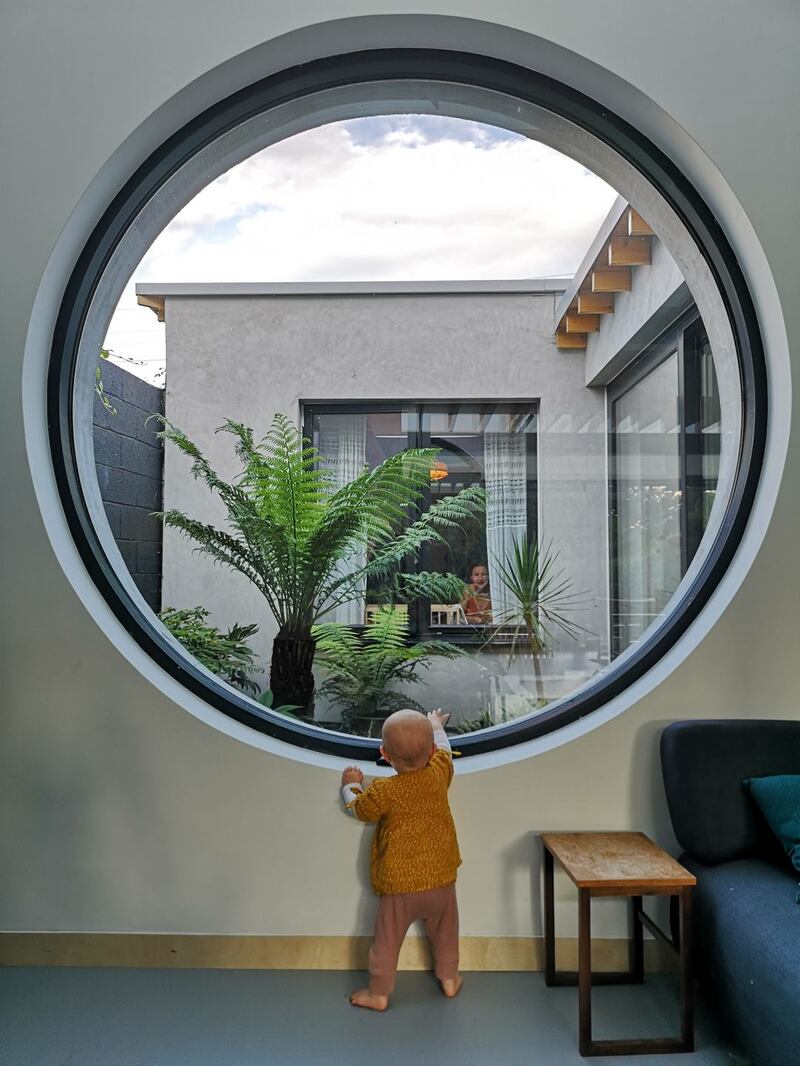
(129, 459)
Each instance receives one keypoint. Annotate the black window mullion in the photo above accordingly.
(682, 458)
(532, 481)
(613, 528)
(696, 417)
(422, 607)
(415, 439)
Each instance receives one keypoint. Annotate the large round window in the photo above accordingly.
(407, 380)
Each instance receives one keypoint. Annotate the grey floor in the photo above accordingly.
(92, 1017)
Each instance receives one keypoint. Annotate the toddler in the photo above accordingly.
(414, 850)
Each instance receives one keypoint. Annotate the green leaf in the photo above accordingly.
(266, 699)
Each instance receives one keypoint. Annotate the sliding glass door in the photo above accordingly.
(647, 519)
(664, 462)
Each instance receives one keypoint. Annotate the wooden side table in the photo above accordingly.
(620, 864)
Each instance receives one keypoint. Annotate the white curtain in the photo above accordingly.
(343, 444)
(505, 464)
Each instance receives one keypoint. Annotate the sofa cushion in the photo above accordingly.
(778, 798)
(747, 937)
(704, 764)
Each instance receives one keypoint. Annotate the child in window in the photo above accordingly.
(477, 599)
(414, 850)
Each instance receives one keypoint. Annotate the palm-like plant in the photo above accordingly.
(309, 547)
(361, 672)
(541, 600)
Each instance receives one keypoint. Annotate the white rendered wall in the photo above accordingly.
(248, 358)
(121, 811)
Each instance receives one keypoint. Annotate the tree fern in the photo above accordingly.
(290, 530)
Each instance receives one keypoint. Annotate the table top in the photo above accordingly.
(608, 861)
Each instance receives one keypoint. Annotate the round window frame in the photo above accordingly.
(468, 70)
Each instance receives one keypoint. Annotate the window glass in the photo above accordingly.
(665, 465)
(490, 445)
(648, 491)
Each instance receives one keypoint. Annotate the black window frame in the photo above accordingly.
(692, 391)
(672, 341)
(420, 626)
(371, 67)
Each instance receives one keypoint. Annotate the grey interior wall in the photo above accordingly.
(121, 811)
(129, 459)
(247, 358)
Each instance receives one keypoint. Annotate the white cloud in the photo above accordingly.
(375, 199)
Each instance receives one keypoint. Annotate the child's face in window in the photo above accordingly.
(479, 576)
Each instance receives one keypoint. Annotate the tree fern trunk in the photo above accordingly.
(291, 677)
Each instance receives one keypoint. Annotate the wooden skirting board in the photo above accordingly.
(478, 953)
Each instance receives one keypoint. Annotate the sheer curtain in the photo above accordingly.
(343, 444)
(505, 464)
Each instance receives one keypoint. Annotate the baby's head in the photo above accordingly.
(407, 741)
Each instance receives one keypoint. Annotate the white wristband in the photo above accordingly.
(350, 791)
(441, 739)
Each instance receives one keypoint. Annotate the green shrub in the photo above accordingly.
(225, 654)
(361, 671)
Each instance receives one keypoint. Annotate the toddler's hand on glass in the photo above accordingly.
(352, 776)
(438, 718)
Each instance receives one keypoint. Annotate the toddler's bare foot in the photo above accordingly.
(371, 1000)
(452, 985)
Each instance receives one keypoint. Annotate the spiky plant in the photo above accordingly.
(309, 547)
(541, 600)
(362, 672)
(472, 725)
(226, 654)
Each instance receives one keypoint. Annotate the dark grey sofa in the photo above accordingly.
(747, 919)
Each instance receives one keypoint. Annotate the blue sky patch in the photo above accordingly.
(429, 129)
(225, 229)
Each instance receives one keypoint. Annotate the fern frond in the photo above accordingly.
(309, 546)
(360, 672)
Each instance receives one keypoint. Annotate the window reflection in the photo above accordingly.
(665, 442)
(648, 495)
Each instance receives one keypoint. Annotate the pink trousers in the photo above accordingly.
(439, 912)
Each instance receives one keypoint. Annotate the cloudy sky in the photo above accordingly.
(403, 198)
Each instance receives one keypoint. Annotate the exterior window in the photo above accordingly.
(664, 443)
(488, 444)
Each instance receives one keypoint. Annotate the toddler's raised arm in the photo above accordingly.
(438, 720)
